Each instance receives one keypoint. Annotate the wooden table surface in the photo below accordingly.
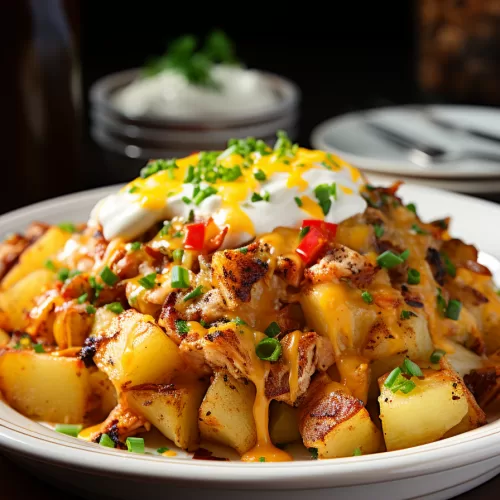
(16, 484)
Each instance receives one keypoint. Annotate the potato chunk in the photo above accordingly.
(16, 302)
(136, 351)
(226, 414)
(283, 423)
(172, 409)
(45, 387)
(35, 255)
(438, 403)
(336, 423)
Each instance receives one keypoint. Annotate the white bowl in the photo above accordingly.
(436, 471)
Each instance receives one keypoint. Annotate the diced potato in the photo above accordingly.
(45, 387)
(136, 351)
(105, 393)
(462, 360)
(172, 409)
(283, 423)
(438, 403)
(226, 414)
(336, 423)
(4, 337)
(16, 302)
(334, 311)
(102, 321)
(35, 255)
(71, 326)
(354, 372)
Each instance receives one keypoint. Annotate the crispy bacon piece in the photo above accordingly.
(484, 384)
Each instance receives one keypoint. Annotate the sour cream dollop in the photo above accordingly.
(240, 92)
(266, 191)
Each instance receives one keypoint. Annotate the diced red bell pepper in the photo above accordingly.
(311, 245)
(195, 236)
(327, 228)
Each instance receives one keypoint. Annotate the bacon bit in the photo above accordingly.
(477, 268)
(153, 252)
(393, 188)
(203, 454)
(213, 243)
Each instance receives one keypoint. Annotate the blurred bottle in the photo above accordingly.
(459, 50)
(39, 99)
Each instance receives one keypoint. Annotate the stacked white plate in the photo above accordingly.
(149, 137)
(351, 137)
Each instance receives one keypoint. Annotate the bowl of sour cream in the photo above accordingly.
(189, 104)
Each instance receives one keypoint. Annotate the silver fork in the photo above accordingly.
(424, 154)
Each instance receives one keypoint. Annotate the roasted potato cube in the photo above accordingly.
(45, 387)
(172, 409)
(16, 302)
(102, 321)
(336, 423)
(462, 360)
(136, 351)
(33, 258)
(226, 414)
(283, 423)
(438, 403)
(105, 393)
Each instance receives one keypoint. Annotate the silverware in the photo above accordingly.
(455, 127)
(424, 154)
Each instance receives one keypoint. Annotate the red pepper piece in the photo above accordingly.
(312, 244)
(327, 228)
(195, 236)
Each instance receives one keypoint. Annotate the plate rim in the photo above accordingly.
(376, 166)
(458, 451)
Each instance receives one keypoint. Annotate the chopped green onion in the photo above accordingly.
(322, 193)
(405, 387)
(260, 175)
(189, 175)
(148, 281)
(133, 189)
(63, 274)
(441, 302)
(418, 230)
(453, 309)
(257, 197)
(357, 452)
(50, 265)
(162, 450)
(313, 452)
(379, 230)
(262, 459)
(83, 298)
(404, 255)
(191, 216)
(204, 324)
(155, 166)
(272, 330)
(108, 276)
(389, 260)
(96, 286)
(195, 293)
(243, 250)
(69, 429)
(266, 196)
(186, 200)
(177, 255)
(303, 232)
(449, 266)
(413, 277)
(333, 191)
(67, 226)
(268, 349)
(106, 441)
(38, 348)
(165, 229)
(182, 326)
(367, 297)
(115, 307)
(203, 194)
(437, 355)
(73, 273)
(407, 314)
(411, 368)
(180, 277)
(298, 201)
(135, 445)
(391, 378)
(239, 321)
(135, 246)
(90, 309)
(412, 207)
(178, 234)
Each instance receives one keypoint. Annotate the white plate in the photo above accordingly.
(435, 471)
(348, 136)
